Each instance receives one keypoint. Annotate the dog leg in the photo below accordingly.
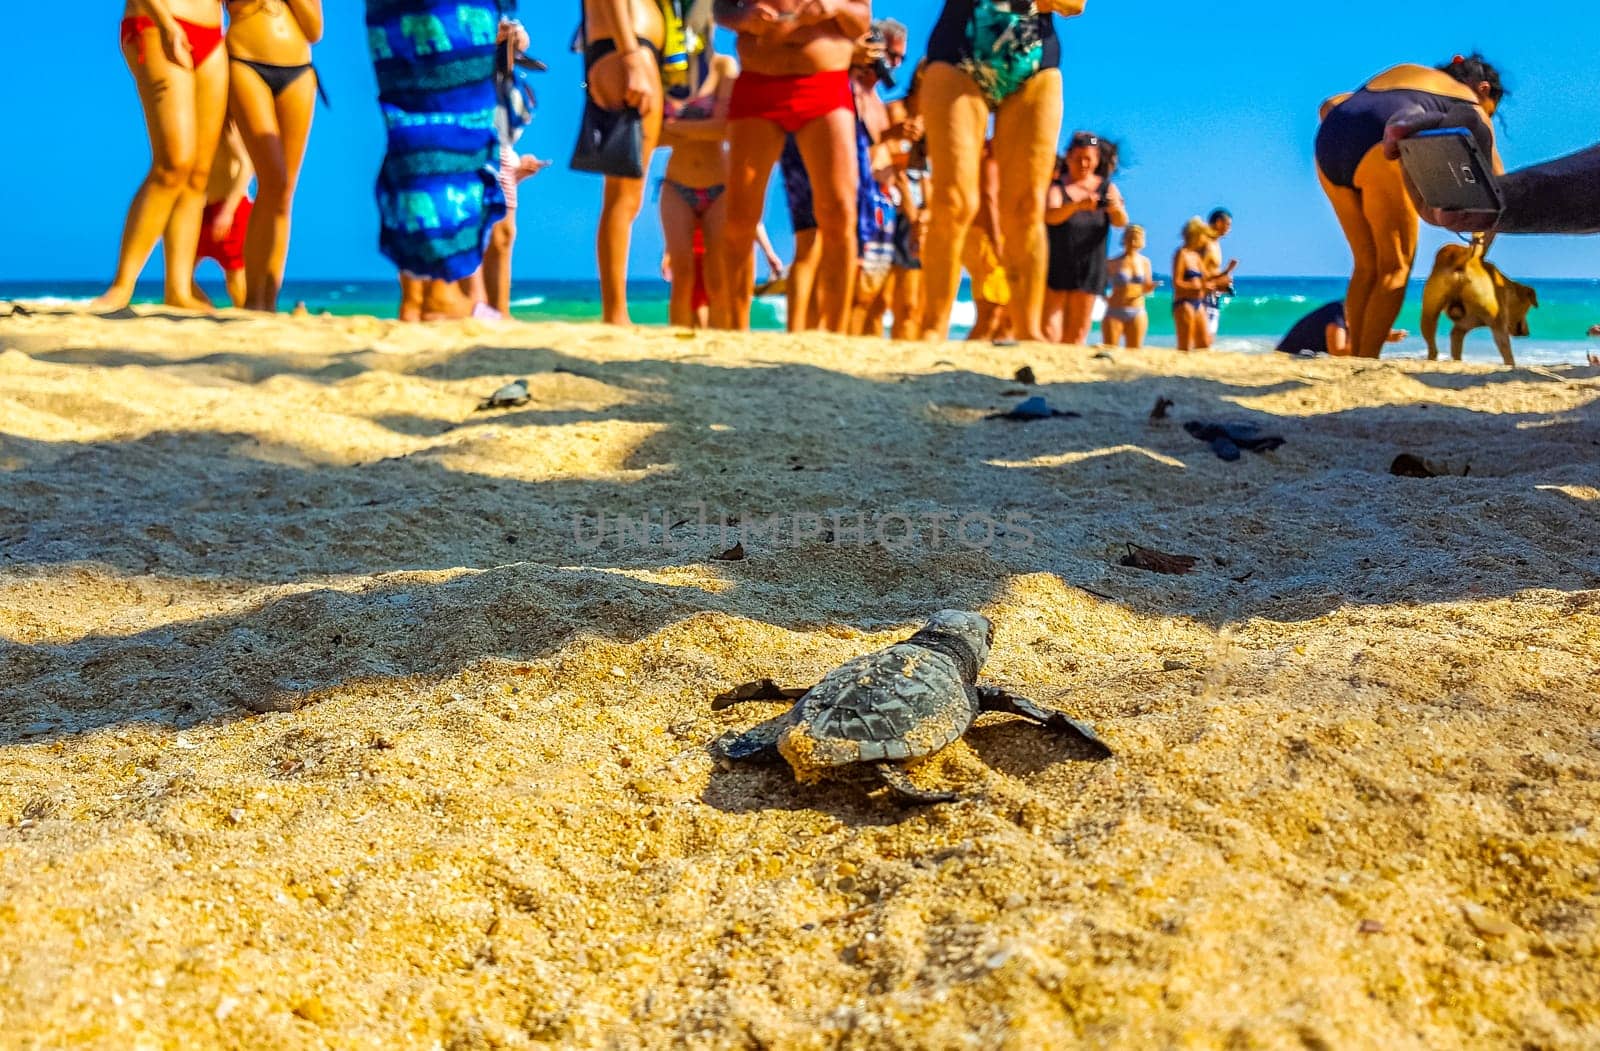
(1458, 337)
(1503, 341)
(1432, 306)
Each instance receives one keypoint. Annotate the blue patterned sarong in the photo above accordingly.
(439, 188)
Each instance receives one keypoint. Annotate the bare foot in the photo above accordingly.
(189, 302)
(112, 300)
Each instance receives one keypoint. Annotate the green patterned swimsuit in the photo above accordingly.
(1000, 44)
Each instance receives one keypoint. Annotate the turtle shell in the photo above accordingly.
(900, 703)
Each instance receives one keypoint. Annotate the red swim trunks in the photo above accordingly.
(790, 102)
(230, 250)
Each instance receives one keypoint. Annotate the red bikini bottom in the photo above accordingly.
(203, 40)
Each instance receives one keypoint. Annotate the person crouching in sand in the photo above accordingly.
(795, 58)
(227, 217)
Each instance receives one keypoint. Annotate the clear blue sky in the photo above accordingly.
(1216, 104)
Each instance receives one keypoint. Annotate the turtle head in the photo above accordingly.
(969, 633)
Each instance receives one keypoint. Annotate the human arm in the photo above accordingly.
(309, 14)
(643, 79)
(1222, 280)
(528, 166)
(1116, 209)
(854, 17)
(1558, 197)
(239, 189)
(763, 242)
(754, 19)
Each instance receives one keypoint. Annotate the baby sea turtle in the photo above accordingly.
(508, 397)
(885, 709)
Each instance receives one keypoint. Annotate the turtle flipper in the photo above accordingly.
(760, 690)
(759, 744)
(994, 699)
(905, 791)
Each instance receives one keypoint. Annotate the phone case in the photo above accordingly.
(1450, 172)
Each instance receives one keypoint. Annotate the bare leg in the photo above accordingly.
(238, 286)
(719, 313)
(167, 93)
(828, 146)
(957, 118)
(1079, 318)
(1053, 328)
(275, 130)
(1137, 331)
(497, 263)
(1364, 270)
(677, 229)
(1025, 131)
(1392, 218)
(754, 146)
(803, 279)
(411, 289)
(622, 198)
(181, 238)
(983, 324)
(908, 304)
(1112, 332)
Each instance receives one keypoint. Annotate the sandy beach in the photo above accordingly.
(334, 713)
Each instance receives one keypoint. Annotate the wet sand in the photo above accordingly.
(334, 714)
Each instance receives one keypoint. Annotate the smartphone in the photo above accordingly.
(1450, 171)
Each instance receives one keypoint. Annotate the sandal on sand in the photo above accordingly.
(1226, 439)
(1034, 408)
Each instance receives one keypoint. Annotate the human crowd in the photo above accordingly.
(891, 195)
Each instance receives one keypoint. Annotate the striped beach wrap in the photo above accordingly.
(438, 191)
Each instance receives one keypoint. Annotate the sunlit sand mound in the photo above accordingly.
(336, 713)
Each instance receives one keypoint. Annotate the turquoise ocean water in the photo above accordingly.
(1253, 321)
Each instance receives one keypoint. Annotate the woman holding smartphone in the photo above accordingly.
(174, 51)
(1368, 190)
(1081, 207)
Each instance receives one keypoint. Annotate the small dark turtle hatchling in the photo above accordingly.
(882, 710)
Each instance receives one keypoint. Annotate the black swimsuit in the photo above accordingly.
(1357, 124)
(1078, 251)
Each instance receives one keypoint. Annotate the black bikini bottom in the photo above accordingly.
(594, 52)
(279, 79)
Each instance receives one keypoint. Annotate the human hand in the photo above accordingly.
(1398, 335)
(812, 12)
(643, 81)
(176, 44)
(529, 166)
(915, 128)
(513, 31)
(869, 51)
(1408, 123)
(222, 223)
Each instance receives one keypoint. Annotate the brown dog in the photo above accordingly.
(1473, 293)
